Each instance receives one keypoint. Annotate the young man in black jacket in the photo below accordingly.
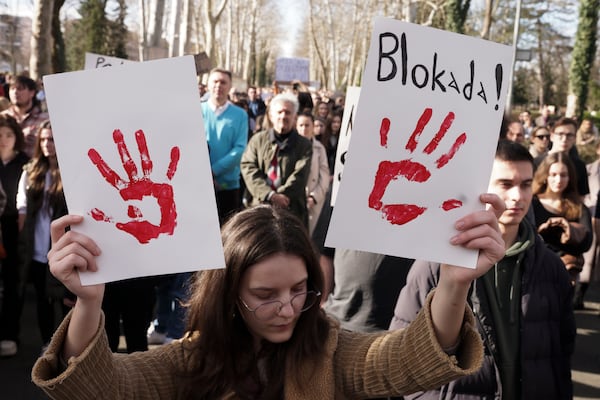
(522, 305)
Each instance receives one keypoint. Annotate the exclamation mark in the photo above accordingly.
(498, 83)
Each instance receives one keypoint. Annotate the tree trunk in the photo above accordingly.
(211, 21)
(142, 46)
(333, 48)
(487, 19)
(456, 14)
(229, 40)
(583, 56)
(174, 22)
(59, 58)
(409, 10)
(352, 58)
(251, 59)
(541, 65)
(40, 61)
(315, 41)
(155, 24)
(184, 27)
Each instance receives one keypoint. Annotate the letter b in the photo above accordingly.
(387, 55)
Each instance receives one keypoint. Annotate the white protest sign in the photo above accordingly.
(99, 61)
(423, 141)
(289, 69)
(137, 169)
(352, 94)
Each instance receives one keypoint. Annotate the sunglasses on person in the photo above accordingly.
(543, 137)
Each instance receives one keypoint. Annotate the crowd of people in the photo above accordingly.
(566, 185)
(289, 317)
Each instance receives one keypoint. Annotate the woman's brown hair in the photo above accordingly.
(224, 357)
(571, 202)
(12, 124)
(36, 174)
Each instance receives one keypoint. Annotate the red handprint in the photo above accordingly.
(400, 214)
(139, 187)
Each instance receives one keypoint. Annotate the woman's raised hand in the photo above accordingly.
(479, 231)
(72, 252)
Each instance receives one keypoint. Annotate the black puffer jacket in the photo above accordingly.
(547, 329)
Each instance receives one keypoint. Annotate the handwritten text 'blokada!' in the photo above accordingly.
(434, 76)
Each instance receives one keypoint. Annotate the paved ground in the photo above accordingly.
(586, 361)
(15, 381)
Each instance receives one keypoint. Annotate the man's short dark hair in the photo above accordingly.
(307, 114)
(222, 71)
(21, 80)
(564, 121)
(513, 152)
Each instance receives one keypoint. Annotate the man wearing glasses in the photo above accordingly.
(563, 140)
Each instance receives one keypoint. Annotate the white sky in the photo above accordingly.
(16, 7)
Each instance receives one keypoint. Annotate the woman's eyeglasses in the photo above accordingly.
(300, 303)
(543, 137)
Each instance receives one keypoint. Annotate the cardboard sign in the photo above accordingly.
(203, 63)
(93, 61)
(136, 168)
(423, 142)
(352, 95)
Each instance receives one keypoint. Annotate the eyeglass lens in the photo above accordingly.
(300, 302)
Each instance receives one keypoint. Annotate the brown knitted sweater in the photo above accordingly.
(354, 366)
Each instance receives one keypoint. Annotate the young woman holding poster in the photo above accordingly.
(255, 329)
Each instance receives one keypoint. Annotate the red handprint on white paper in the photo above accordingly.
(400, 214)
(138, 188)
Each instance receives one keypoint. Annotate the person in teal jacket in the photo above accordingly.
(226, 127)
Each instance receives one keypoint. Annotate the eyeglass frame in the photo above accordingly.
(253, 311)
(565, 135)
(542, 136)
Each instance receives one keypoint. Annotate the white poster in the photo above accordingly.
(137, 168)
(423, 142)
(288, 69)
(352, 94)
(93, 61)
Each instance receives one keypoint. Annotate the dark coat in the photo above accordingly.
(294, 160)
(26, 238)
(547, 329)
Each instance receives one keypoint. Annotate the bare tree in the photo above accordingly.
(155, 22)
(185, 27)
(59, 59)
(40, 61)
(142, 43)
(174, 22)
(250, 62)
(315, 36)
(211, 19)
(487, 19)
